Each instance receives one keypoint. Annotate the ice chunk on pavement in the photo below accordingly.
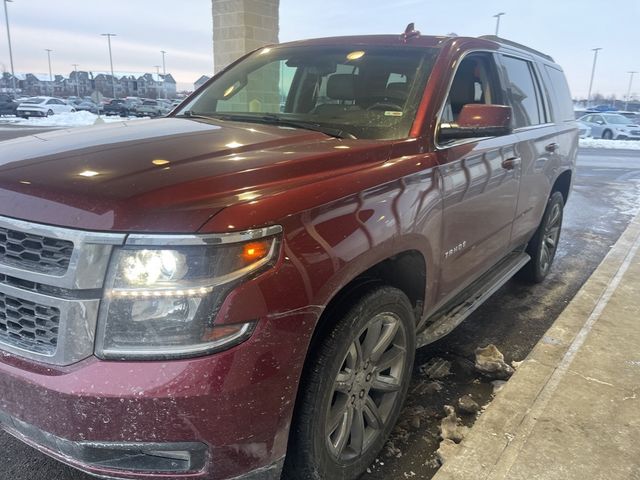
(446, 450)
(498, 385)
(490, 362)
(467, 404)
(450, 427)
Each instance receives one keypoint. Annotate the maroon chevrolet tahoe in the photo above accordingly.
(238, 290)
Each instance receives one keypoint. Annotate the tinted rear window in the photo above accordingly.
(563, 106)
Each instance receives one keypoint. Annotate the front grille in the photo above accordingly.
(635, 132)
(29, 325)
(34, 252)
(51, 281)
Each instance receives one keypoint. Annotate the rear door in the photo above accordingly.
(480, 181)
(538, 144)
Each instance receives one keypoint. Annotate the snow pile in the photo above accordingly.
(616, 144)
(70, 119)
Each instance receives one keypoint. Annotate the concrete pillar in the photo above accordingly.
(240, 26)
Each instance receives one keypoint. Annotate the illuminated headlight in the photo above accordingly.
(162, 302)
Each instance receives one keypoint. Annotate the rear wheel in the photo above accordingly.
(544, 244)
(352, 393)
(607, 135)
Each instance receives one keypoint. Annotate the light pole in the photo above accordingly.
(75, 68)
(497, 17)
(113, 79)
(626, 103)
(157, 67)
(13, 73)
(48, 50)
(593, 72)
(164, 66)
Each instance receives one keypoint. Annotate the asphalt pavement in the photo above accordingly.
(605, 198)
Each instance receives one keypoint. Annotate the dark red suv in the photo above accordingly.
(238, 290)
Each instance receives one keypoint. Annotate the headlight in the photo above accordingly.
(161, 302)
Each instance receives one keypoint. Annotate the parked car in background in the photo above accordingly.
(43, 107)
(584, 130)
(120, 106)
(633, 116)
(88, 106)
(73, 100)
(611, 126)
(7, 105)
(153, 108)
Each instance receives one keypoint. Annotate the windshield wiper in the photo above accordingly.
(271, 119)
(192, 114)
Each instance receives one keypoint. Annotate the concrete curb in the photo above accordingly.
(496, 439)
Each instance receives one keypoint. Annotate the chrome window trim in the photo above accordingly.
(76, 329)
(443, 103)
(168, 240)
(85, 271)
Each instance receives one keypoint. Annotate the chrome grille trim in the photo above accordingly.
(76, 327)
(75, 293)
(86, 270)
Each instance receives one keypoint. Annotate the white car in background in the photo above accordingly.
(584, 130)
(43, 107)
(611, 126)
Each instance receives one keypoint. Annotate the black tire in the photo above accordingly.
(348, 382)
(607, 135)
(544, 244)
(49, 113)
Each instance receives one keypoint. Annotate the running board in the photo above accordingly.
(448, 318)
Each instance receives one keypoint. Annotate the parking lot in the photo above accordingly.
(605, 197)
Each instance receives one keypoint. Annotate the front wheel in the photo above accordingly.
(49, 113)
(353, 391)
(607, 134)
(544, 244)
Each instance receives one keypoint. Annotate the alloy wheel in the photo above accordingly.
(367, 387)
(550, 238)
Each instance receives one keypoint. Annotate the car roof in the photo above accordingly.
(434, 41)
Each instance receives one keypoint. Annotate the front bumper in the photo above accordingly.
(224, 416)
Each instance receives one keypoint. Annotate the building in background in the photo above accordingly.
(201, 81)
(85, 83)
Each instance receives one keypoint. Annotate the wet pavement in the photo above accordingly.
(606, 195)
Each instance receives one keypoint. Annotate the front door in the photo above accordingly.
(480, 179)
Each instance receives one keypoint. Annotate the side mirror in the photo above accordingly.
(476, 120)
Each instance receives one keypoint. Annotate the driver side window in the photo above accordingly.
(475, 82)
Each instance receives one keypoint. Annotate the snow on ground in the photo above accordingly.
(616, 144)
(70, 119)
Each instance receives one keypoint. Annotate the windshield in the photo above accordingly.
(367, 92)
(618, 119)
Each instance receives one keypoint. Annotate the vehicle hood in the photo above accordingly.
(166, 175)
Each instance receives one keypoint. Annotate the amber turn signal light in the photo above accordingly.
(256, 250)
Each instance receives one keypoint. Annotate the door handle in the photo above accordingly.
(510, 163)
(552, 147)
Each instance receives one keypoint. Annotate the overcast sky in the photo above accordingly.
(565, 29)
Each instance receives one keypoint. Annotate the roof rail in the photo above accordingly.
(517, 45)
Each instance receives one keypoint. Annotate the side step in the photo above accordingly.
(452, 315)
